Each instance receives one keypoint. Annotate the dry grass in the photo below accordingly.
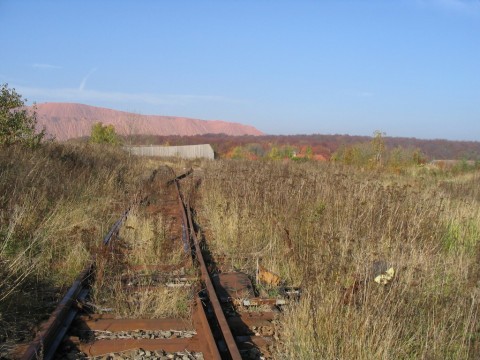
(148, 301)
(147, 238)
(56, 204)
(327, 228)
(59, 196)
(320, 226)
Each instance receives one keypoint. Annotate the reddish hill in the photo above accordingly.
(66, 121)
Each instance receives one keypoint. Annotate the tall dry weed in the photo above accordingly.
(331, 229)
(56, 204)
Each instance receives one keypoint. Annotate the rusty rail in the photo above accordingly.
(115, 228)
(179, 177)
(53, 331)
(212, 295)
(181, 204)
(236, 331)
(227, 335)
(47, 340)
(208, 335)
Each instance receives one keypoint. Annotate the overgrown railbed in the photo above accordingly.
(326, 228)
(56, 203)
(331, 230)
(147, 239)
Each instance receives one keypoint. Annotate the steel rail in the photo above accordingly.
(47, 340)
(181, 204)
(207, 332)
(115, 228)
(52, 332)
(212, 295)
(179, 177)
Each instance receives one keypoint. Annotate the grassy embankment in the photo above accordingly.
(330, 229)
(57, 202)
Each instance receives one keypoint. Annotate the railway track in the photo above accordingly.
(222, 316)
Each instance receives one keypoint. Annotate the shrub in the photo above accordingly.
(17, 124)
(104, 134)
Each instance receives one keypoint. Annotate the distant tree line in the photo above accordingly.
(321, 145)
(375, 153)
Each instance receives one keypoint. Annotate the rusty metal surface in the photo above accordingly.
(253, 316)
(233, 285)
(260, 343)
(181, 176)
(185, 226)
(217, 308)
(247, 342)
(230, 286)
(199, 317)
(115, 228)
(59, 321)
(102, 347)
(203, 327)
(137, 324)
(241, 327)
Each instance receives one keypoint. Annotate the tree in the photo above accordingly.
(274, 153)
(309, 152)
(378, 146)
(104, 134)
(237, 153)
(17, 124)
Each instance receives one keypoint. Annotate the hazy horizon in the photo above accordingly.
(264, 133)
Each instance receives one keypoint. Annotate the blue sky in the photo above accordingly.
(407, 67)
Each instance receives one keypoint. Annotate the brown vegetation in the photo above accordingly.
(146, 239)
(322, 146)
(57, 202)
(345, 227)
(329, 228)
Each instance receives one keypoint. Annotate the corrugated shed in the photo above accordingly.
(204, 151)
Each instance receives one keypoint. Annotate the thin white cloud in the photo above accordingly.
(45, 66)
(85, 95)
(84, 80)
